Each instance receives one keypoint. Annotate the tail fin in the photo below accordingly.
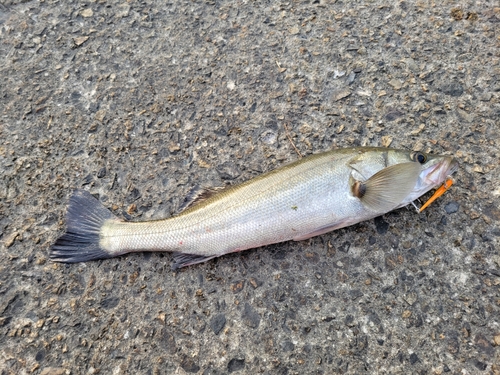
(84, 220)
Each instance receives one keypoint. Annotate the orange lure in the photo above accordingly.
(440, 191)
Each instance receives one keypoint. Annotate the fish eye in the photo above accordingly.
(419, 157)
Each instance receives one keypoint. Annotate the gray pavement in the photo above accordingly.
(137, 102)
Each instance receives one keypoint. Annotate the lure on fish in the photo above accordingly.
(309, 197)
(440, 191)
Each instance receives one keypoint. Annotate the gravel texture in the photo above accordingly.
(137, 102)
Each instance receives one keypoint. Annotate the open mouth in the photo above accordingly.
(438, 174)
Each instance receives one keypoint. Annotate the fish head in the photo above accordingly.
(384, 179)
(434, 171)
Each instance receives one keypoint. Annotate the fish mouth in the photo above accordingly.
(439, 172)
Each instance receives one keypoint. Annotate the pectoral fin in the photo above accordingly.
(387, 188)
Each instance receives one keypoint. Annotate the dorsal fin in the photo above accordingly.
(196, 195)
(387, 188)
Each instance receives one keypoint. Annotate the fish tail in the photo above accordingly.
(84, 219)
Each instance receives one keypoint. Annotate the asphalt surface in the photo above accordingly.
(137, 102)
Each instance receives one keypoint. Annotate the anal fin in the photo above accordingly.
(184, 260)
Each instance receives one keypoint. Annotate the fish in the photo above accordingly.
(306, 198)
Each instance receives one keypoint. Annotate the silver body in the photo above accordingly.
(300, 200)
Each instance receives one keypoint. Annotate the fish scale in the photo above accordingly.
(267, 210)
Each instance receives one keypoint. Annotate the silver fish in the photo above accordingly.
(309, 197)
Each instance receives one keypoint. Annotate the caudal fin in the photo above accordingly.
(84, 220)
